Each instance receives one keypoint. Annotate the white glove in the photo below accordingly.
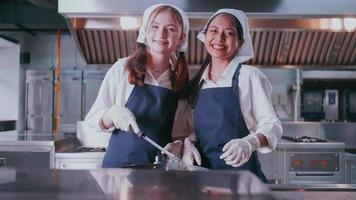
(120, 117)
(238, 151)
(190, 153)
(174, 147)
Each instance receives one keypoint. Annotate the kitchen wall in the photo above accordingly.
(9, 80)
(43, 52)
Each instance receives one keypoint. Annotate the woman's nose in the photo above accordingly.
(162, 32)
(221, 36)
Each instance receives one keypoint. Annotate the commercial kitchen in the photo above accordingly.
(54, 55)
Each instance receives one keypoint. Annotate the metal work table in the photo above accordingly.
(130, 184)
(28, 149)
(33, 138)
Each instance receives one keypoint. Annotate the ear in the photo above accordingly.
(182, 37)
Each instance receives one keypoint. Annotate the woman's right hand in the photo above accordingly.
(190, 153)
(120, 117)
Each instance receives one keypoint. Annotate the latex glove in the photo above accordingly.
(190, 153)
(120, 117)
(238, 151)
(174, 147)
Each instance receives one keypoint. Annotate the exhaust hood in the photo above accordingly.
(285, 33)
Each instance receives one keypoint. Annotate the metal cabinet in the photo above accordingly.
(30, 156)
(78, 161)
(39, 100)
(70, 100)
(92, 80)
(78, 91)
(350, 168)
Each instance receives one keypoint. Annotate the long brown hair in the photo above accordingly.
(136, 63)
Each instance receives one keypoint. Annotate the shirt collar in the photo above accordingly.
(227, 74)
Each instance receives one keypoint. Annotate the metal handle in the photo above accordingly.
(314, 174)
(2, 162)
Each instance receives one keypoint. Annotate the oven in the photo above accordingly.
(305, 160)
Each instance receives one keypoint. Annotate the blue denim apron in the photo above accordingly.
(154, 108)
(218, 119)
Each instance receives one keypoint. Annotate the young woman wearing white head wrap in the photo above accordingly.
(140, 93)
(233, 113)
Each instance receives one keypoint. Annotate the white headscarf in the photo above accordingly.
(246, 51)
(146, 15)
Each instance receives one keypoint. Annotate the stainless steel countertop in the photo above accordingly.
(31, 138)
(130, 184)
(324, 145)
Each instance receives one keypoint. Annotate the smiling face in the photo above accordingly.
(164, 33)
(221, 38)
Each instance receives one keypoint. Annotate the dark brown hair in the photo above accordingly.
(136, 63)
(195, 85)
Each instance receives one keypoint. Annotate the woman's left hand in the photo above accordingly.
(175, 147)
(238, 151)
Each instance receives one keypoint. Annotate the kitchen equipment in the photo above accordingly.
(90, 149)
(350, 168)
(312, 105)
(331, 105)
(305, 160)
(350, 105)
(39, 100)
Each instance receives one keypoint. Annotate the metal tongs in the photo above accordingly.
(163, 150)
(174, 162)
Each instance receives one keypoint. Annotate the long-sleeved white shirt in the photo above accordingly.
(255, 100)
(115, 90)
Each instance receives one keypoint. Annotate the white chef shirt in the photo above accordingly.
(115, 90)
(255, 100)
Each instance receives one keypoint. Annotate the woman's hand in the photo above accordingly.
(190, 153)
(120, 117)
(175, 148)
(238, 151)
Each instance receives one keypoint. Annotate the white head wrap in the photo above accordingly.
(246, 51)
(146, 15)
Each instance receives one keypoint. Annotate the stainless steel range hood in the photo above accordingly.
(285, 33)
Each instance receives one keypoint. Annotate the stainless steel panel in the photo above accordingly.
(71, 100)
(341, 132)
(26, 159)
(91, 84)
(301, 128)
(68, 123)
(270, 166)
(315, 161)
(350, 168)
(39, 92)
(39, 123)
(71, 89)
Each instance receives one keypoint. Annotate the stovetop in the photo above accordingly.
(90, 149)
(303, 139)
(307, 142)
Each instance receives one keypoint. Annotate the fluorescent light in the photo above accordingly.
(336, 24)
(129, 23)
(349, 23)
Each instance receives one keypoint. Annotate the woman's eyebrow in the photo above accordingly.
(157, 23)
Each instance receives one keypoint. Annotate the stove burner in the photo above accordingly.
(90, 149)
(300, 139)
